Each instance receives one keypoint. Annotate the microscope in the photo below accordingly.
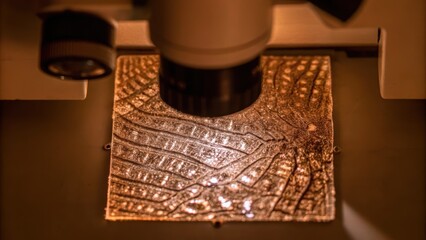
(210, 49)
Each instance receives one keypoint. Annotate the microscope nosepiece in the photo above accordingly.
(210, 92)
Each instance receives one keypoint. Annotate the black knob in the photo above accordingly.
(77, 45)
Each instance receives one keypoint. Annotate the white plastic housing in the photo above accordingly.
(210, 33)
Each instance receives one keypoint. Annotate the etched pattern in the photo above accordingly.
(269, 162)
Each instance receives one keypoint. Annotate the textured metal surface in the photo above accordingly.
(269, 162)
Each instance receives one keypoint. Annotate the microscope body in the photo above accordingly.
(212, 40)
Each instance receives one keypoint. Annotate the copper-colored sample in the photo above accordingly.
(269, 162)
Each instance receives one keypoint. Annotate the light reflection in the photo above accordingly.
(247, 205)
(358, 227)
(245, 179)
(214, 180)
(226, 204)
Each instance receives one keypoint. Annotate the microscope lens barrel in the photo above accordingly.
(210, 92)
(210, 52)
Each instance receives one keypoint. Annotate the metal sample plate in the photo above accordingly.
(270, 162)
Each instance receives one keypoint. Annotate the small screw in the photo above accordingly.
(107, 146)
(217, 224)
(337, 149)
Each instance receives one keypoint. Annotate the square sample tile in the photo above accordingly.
(269, 162)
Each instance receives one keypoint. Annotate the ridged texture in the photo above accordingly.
(78, 49)
(270, 162)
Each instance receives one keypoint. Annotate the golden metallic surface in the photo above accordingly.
(270, 162)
